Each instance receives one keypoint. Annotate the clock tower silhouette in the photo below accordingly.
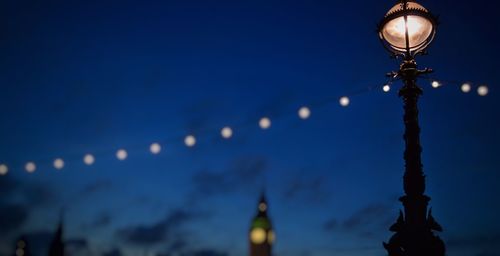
(261, 235)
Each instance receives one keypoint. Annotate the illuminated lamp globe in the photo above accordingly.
(407, 29)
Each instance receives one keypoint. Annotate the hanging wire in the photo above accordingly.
(226, 132)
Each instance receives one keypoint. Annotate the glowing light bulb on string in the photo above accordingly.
(226, 132)
(466, 88)
(121, 154)
(344, 101)
(89, 159)
(58, 163)
(190, 141)
(30, 167)
(304, 113)
(3, 169)
(435, 84)
(265, 123)
(155, 148)
(482, 90)
(386, 88)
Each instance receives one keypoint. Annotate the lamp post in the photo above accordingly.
(406, 31)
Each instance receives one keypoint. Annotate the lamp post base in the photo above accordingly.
(415, 236)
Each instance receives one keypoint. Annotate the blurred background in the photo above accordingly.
(93, 77)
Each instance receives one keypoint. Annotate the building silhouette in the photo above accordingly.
(57, 244)
(261, 234)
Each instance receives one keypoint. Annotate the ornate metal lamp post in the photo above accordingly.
(406, 31)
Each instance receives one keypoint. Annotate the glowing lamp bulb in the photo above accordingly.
(304, 113)
(407, 28)
(89, 159)
(344, 101)
(482, 90)
(3, 169)
(265, 123)
(386, 88)
(58, 163)
(30, 167)
(435, 84)
(466, 88)
(155, 148)
(121, 154)
(190, 141)
(226, 132)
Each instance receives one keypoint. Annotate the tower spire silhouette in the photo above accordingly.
(261, 235)
(57, 244)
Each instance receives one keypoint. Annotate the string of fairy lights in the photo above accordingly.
(264, 123)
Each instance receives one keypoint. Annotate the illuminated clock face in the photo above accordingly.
(258, 235)
(271, 237)
(262, 207)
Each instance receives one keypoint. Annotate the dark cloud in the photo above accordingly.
(202, 252)
(18, 200)
(198, 115)
(38, 195)
(102, 220)
(474, 241)
(32, 194)
(12, 217)
(278, 104)
(372, 214)
(492, 253)
(113, 252)
(243, 173)
(97, 186)
(331, 224)
(145, 235)
(209, 183)
(89, 190)
(160, 232)
(307, 188)
(7, 186)
(205, 252)
(39, 241)
(178, 245)
(76, 244)
(366, 222)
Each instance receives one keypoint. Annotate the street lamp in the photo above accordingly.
(406, 31)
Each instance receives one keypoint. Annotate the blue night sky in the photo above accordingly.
(81, 77)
